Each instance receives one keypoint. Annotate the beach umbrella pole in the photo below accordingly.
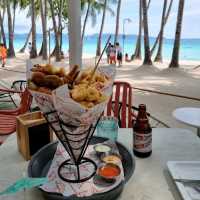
(75, 44)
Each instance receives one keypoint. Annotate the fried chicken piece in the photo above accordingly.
(53, 81)
(38, 78)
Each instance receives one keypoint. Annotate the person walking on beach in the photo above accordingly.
(119, 53)
(3, 54)
(108, 52)
(112, 55)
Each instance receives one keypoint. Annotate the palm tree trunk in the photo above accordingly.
(44, 29)
(61, 40)
(158, 57)
(56, 33)
(166, 19)
(147, 57)
(26, 42)
(14, 13)
(98, 52)
(175, 55)
(117, 21)
(60, 24)
(3, 31)
(41, 50)
(85, 21)
(137, 54)
(148, 5)
(33, 53)
(11, 51)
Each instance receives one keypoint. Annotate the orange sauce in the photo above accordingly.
(109, 171)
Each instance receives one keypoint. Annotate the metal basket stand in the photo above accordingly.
(65, 137)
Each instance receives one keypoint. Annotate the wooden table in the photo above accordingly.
(189, 116)
(150, 181)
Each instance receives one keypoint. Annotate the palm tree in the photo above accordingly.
(101, 29)
(85, 20)
(14, 3)
(43, 11)
(1, 24)
(166, 19)
(26, 41)
(11, 51)
(158, 57)
(147, 57)
(137, 54)
(175, 55)
(33, 52)
(117, 21)
(93, 8)
(56, 32)
(98, 52)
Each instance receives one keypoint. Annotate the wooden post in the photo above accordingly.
(75, 47)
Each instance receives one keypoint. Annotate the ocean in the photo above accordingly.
(189, 50)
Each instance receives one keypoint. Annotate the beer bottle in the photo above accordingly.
(142, 144)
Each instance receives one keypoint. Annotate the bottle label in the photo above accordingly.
(142, 142)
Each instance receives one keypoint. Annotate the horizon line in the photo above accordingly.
(121, 34)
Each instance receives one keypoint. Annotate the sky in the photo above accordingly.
(129, 9)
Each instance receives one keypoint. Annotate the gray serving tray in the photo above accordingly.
(41, 161)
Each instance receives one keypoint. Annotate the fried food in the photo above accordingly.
(85, 78)
(88, 90)
(44, 90)
(47, 76)
(38, 78)
(53, 81)
(92, 94)
(32, 85)
(87, 96)
(79, 94)
(72, 75)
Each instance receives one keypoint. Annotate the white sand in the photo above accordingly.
(182, 81)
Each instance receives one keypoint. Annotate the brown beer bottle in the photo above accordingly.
(142, 143)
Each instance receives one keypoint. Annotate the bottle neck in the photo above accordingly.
(142, 112)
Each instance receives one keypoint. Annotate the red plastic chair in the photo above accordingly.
(120, 104)
(8, 117)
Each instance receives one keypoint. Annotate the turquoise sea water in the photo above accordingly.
(190, 48)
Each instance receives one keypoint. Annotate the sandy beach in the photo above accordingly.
(183, 81)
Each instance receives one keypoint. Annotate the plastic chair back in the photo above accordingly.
(120, 104)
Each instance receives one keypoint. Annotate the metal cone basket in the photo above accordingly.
(82, 141)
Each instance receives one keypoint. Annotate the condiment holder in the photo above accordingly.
(109, 172)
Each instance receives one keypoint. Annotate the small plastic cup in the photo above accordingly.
(108, 128)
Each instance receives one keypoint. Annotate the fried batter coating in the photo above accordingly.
(53, 81)
(32, 85)
(44, 90)
(79, 94)
(92, 94)
(38, 78)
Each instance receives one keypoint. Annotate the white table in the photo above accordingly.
(189, 116)
(150, 181)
